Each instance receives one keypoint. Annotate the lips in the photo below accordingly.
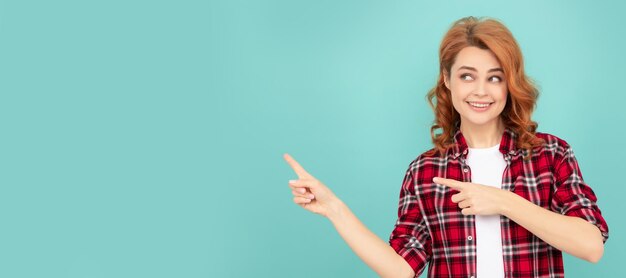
(484, 106)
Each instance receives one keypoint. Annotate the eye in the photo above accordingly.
(466, 77)
(496, 79)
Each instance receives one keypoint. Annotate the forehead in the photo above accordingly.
(481, 59)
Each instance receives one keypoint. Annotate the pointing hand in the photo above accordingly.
(310, 193)
(475, 199)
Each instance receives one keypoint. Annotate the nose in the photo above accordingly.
(481, 88)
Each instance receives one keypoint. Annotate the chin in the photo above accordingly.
(475, 121)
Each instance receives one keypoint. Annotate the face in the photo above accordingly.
(478, 88)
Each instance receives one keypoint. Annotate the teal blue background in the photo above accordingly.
(145, 138)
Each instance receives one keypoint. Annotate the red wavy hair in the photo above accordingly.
(484, 33)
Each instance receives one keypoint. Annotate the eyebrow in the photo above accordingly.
(474, 69)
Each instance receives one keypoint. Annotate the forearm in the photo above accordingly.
(572, 235)
(375, 252)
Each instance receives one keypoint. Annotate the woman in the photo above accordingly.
(493, 198)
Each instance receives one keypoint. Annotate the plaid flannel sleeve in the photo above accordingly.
(574, 197)
(410, 237)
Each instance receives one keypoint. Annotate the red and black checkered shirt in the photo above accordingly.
(431, 229)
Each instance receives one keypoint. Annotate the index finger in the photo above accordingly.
(449, 183)
(296, 167)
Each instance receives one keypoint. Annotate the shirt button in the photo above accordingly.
(470, 238)
(465, 170)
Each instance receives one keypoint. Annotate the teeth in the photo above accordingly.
(478, 105)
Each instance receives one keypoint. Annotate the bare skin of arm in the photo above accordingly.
(314, 196)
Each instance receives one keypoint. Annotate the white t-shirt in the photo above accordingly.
(487, 166)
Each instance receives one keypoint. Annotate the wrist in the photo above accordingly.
(336, 210)
(506, 205)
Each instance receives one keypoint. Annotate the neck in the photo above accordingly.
(482, 136)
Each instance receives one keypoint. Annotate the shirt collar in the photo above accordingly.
(507, 143)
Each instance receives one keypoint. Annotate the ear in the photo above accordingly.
(446, 81)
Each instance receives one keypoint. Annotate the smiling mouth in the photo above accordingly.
(479, 104)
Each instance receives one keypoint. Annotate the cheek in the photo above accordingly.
(460, 90)
(505, 94)
(504, 90)
(501, 92)
(457, 96)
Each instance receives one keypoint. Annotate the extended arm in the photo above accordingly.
(569, 234)
(375, 252)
